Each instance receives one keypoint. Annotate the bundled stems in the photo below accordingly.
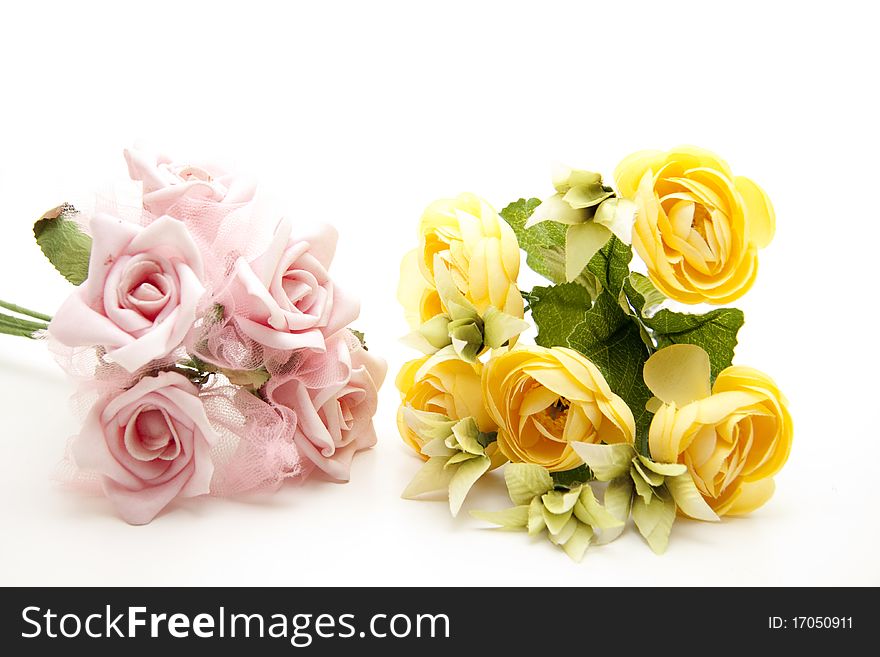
(26, 326)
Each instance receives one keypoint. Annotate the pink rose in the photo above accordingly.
(333, 396)
(284, 299)
(149, 444)
(166, 183)
(141, 295)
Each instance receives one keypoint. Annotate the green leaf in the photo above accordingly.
(590, 195)
(63, 243)
(536, 522)
(557, 501)
(432, 477)
(437, 447)
(515, 517)
(459, 457)
(556, 521)
(436, 333)
(611, 265)
(576, 546)
(617, 501)
(525, 481)
(714, 331)
(499, 327)
(642, 294)
(254, 379)
(644, 489)
(558, 312)
(664, 469)
(618, 215)
(607, 462)
(465, 477)
(543, 243)
(649, 476)
(429, 426)
(467, 435)
(654, 521)
(358, 334)
(539, 241)
(572, 478)
(561, 537)
(589, 511)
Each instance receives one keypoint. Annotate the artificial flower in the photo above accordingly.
(590, 210)
(285, 298)
(217, 344)
(698, 227)
(142, 292)
(544, 399)
(733, 436)
(444, 386)
(166, 182)
(477, 247)
(331, 398)
(149, 444)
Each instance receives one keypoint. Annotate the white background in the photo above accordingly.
(360, 114)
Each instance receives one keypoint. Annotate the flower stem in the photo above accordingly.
(24, 311)
(18, 326)
(12, 330)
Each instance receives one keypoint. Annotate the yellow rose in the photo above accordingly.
(733, 438)
(479, 249)
(441, 384)
(698, 227)
(544, 399)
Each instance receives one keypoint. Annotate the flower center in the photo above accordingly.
(553, 417)
(188, 173)
(701, 216)
(150, 436)
(145, 286)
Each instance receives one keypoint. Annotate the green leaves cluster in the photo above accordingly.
(652, 492)
(609, 313)
(456, 452)
(461, 327)
(572, 516)
(714, 331)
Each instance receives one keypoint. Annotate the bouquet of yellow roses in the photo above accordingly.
(624, 407)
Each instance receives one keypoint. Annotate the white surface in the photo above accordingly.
(361, 114)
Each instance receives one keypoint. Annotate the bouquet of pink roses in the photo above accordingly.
(210, 346)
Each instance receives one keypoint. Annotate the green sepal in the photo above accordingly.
(654, 520)
(606, 462)
(466, 475)
(432, 477)
(516, 517)
(526, 481)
